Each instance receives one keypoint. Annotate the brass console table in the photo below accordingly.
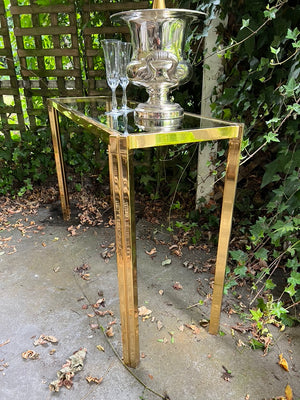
(89, 113)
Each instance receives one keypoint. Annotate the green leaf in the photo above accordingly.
(290, 290)
(261, 254)
(294, 278)
(239, 255)
(292, 34)
(255, 344)
(278, 310)
(245, 23)
(270, 284)
(290, 87)
(256, 314)
(241, 271)
(271, 137)
(275, 51)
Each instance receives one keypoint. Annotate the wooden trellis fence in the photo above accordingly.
(57, 52)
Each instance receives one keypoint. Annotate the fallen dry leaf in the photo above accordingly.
(177, 286)
(100, 348)
(288, 393)
(151, 252)
(109, 332)
(92, 379)
(144, 311)
(30, 355)
(52, 351)
(167, 261)
(283, 363)
(44, 339)
(102, 313)
(68, 370)
(99, 302)
(159, 325)
(94, 326)
(195, 329)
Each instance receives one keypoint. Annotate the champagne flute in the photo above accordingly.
(125, 56)
(111, 49)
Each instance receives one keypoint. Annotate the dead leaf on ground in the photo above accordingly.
(92, 379)
(159, 325)
(68, 370)
(81, 270)
(30, 355)
(109, 332)
(177, 286)
(283, 363)
(73, 230)
(288, 393)
(102, 313)
(204, 322)
(144, 311)
(108, 252)
(152, 252)
(195, 329)
(44, 339)
(94, 326)
(99, 302)
(167, 261)
(100, 348)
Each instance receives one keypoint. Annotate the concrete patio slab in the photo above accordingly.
(40, 293)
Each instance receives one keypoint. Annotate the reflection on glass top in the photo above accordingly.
(96, 108)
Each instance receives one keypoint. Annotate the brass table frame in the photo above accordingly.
(120, 148)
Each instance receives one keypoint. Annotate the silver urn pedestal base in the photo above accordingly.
(158, 62)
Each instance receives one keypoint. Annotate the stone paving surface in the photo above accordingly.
(40, 293)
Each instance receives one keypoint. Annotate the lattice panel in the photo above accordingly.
(94, 30)
(49, 55)
(11, 116)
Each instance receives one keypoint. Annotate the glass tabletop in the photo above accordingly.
(91, 113)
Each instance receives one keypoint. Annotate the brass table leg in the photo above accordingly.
(59, 161)
(121, 178)
(225, 230)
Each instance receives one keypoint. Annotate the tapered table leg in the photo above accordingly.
(121, 178)
(225, 230)
(59, 161)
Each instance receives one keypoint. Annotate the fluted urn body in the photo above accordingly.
(158, 62)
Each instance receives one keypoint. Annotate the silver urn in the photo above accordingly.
(158, 62)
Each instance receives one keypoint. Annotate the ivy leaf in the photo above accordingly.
(294, 107)
(270, 284)
(270, 13)
(290, 290)
(278, 310)
(245, 23)
(256, 314)
(294, 278)
(292, 34)
(274, 51)
(271, 137)
(290, 87)
(261, 254)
